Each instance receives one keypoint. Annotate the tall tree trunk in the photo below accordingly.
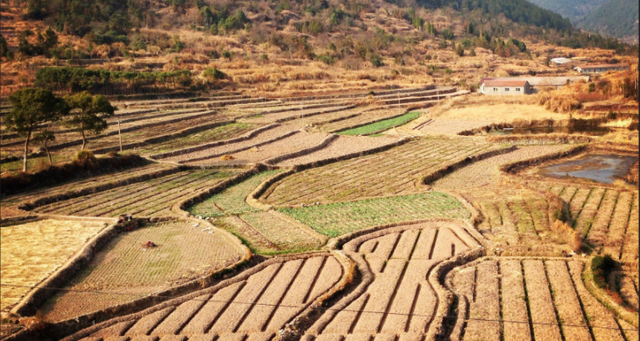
(48, 152)
(84, 140)
(26, 151)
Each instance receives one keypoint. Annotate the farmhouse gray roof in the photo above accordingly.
(503, 83)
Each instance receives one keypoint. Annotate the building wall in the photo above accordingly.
(502, 90)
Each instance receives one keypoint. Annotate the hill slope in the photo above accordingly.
(574, 10)
(617, 18)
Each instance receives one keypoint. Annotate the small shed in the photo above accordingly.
(505, 87)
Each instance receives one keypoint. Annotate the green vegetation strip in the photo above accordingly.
(231, 201)
(381, 125)
(340, 218)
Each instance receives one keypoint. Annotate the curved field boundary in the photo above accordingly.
(316, 113)
(383, 125)
(452, 167)
(255, 145)
(301, 152)
(515, 166)
(28, 206)
(299, 168)
(343, 129)
(252, 198)
(433, 94)
(163, 138)
(605, 299)
(38, 295)
(542, 139)
(60, 329)
(123, 130)
(244, 137)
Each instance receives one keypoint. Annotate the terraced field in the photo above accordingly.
(448, 127)
(381, 125)
(265, 232)
(340, 218)
(125, 269)
(364, 118)
(255, 305)
(395, 299)
(397, 171)
(605, 217)
(340, 147)
(530, 299)
(32, 251)
(297, 141)
(149, 198)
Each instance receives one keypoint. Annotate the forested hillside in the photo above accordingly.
(617, 18)
(574, 10)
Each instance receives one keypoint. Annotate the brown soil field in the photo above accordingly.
(125, 269)
(545, 299)
(398, 299)
(397, 171)
(254, 304)
(487, 171)
(446, 127)
(341, 146)
(79, 184)
(153, 197)
(33, 250)
(298, 141)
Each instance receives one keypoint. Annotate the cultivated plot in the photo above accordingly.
(253, 305)
(148, 198)
(395, 300)
(125, 269)
(340, 218)
(529, 299)
(33, 250)
(397, 171)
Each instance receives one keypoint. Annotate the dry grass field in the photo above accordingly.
(125, 269)
(33, 250)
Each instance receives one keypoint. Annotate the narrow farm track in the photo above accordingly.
(536, 299)
(255, 305)
(148, 198)
(393, 172)
(396, 299)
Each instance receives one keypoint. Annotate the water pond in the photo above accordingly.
(605, 168)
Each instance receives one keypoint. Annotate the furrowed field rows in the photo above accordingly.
(184, 252)
(341, 146)
(536, 299)
(449, 127)
(214, 152)
(254, 306)
(605, 217)
(393, 172)
(267, 117)
(487, 171)
(215, 134)
(33, 250)
(399, 301)
(123, 175)
(336, 219)
(149, 198)
(298, 141)
(528, 216)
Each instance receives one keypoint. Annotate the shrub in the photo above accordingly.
(376, 61)
(86, 159)
(601, 266)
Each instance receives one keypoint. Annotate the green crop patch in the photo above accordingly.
(231, 201)
(381, 125)
(340, 218)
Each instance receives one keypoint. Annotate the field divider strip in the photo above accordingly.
(284, 294)
(240, 149)
(244, 137)
(324, 143)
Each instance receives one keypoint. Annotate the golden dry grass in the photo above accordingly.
(32, 251)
